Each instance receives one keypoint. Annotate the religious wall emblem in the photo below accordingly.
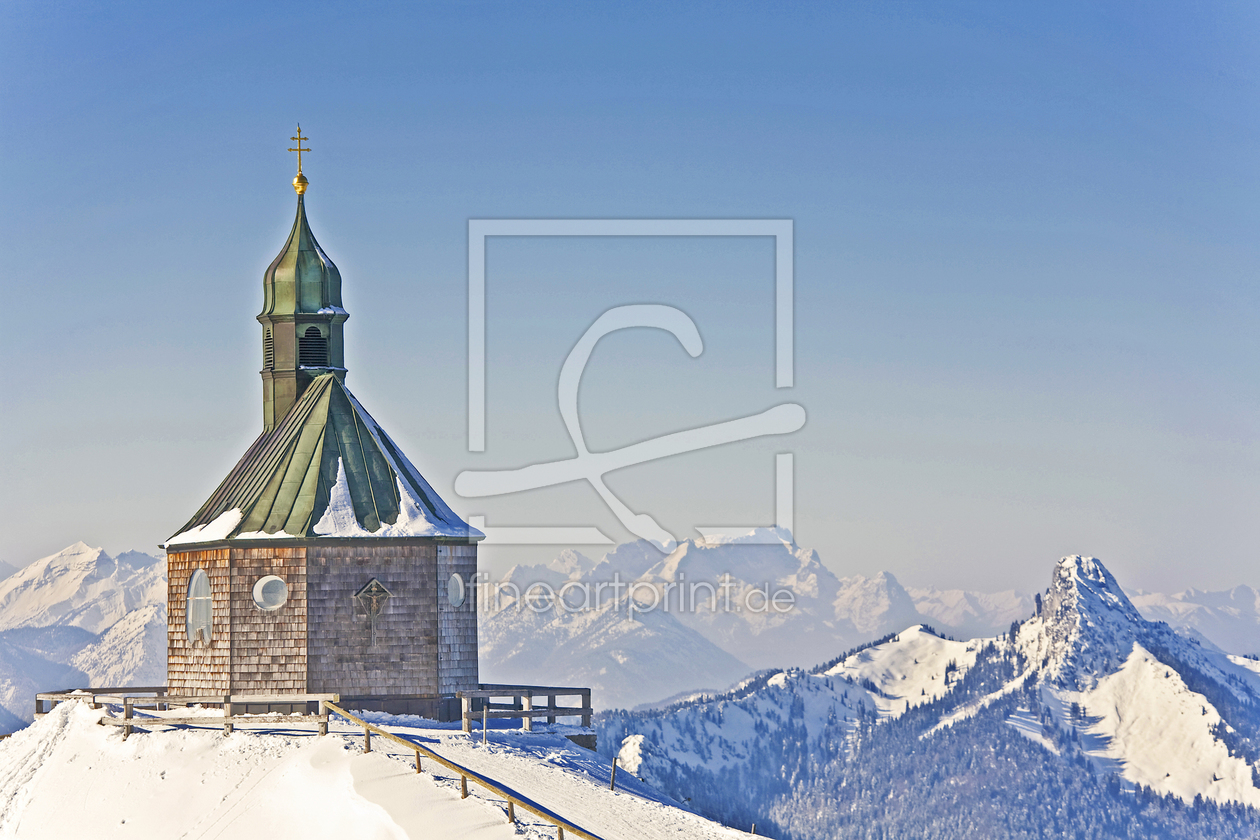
(372, 598)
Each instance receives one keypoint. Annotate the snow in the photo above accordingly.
(131, 652)
(1090, 647)
(910, 670)
(79, 586)
(970, 613)
(65, 776)
(218, 529)
(1029, 725)
(52, 611)
(630, 755)
(626, 663)
(1159, 731)
(339, 519)
(1229, 619)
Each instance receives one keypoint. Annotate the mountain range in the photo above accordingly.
(82, 617)
(1085, 719)
(704, 644)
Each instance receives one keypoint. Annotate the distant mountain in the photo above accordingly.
(131, 652)
(972, 614)
(626, 661)
(81, 587)
(80, 618)
(6, 570)
(721, 590)
(34, 659)
(1229, 619)
(1090, 721)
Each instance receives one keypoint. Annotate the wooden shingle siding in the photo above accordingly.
(268, 647)
(320, 640)
(341, 656)
(457, 626)
(203, 668)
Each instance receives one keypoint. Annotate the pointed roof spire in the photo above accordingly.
(299, 183)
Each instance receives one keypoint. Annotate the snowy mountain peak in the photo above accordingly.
(80, 586)
(572, 564)
(1083, 583)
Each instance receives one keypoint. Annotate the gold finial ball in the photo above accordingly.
(299, 183)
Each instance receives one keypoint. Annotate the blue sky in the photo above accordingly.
(1026, 263)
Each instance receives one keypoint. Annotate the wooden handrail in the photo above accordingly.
(465, 774)
(525, 695)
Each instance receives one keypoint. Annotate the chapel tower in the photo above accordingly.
(324, 562)
(302, 315)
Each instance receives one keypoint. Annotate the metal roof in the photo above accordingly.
(285, 480)
(301, 279)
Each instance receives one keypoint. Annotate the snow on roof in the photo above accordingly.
(327, 470)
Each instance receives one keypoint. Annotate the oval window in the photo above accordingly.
(455, 590)
(270, 592)
(199, 613)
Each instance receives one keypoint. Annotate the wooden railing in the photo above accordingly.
(96, 696)
(234, 708)
(514, 800)
(523, 704)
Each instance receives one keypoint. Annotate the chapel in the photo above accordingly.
(324, 562)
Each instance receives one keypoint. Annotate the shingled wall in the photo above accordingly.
(341, 656)
(268, 647)
(203, 668)
(321, 639)
(457, 626)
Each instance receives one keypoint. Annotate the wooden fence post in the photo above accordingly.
(367, 740)
(227, 715)
(551, 704)
(586, 704)
(465, 703)
(126, 716)
(485, 719)
(323, 722)
(612, 785)
(528, 721)
(417, 761)
(511, 811)
(463, 787)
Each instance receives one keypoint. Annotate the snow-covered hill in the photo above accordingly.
(1088, 681)
(80, 617)
(66, 776)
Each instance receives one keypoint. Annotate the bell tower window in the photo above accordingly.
(269, 350)
(312, 348)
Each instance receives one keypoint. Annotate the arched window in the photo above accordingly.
(269, 350)
(312, 348)
(199, 616)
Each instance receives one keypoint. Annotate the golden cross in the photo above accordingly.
(299, 148)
